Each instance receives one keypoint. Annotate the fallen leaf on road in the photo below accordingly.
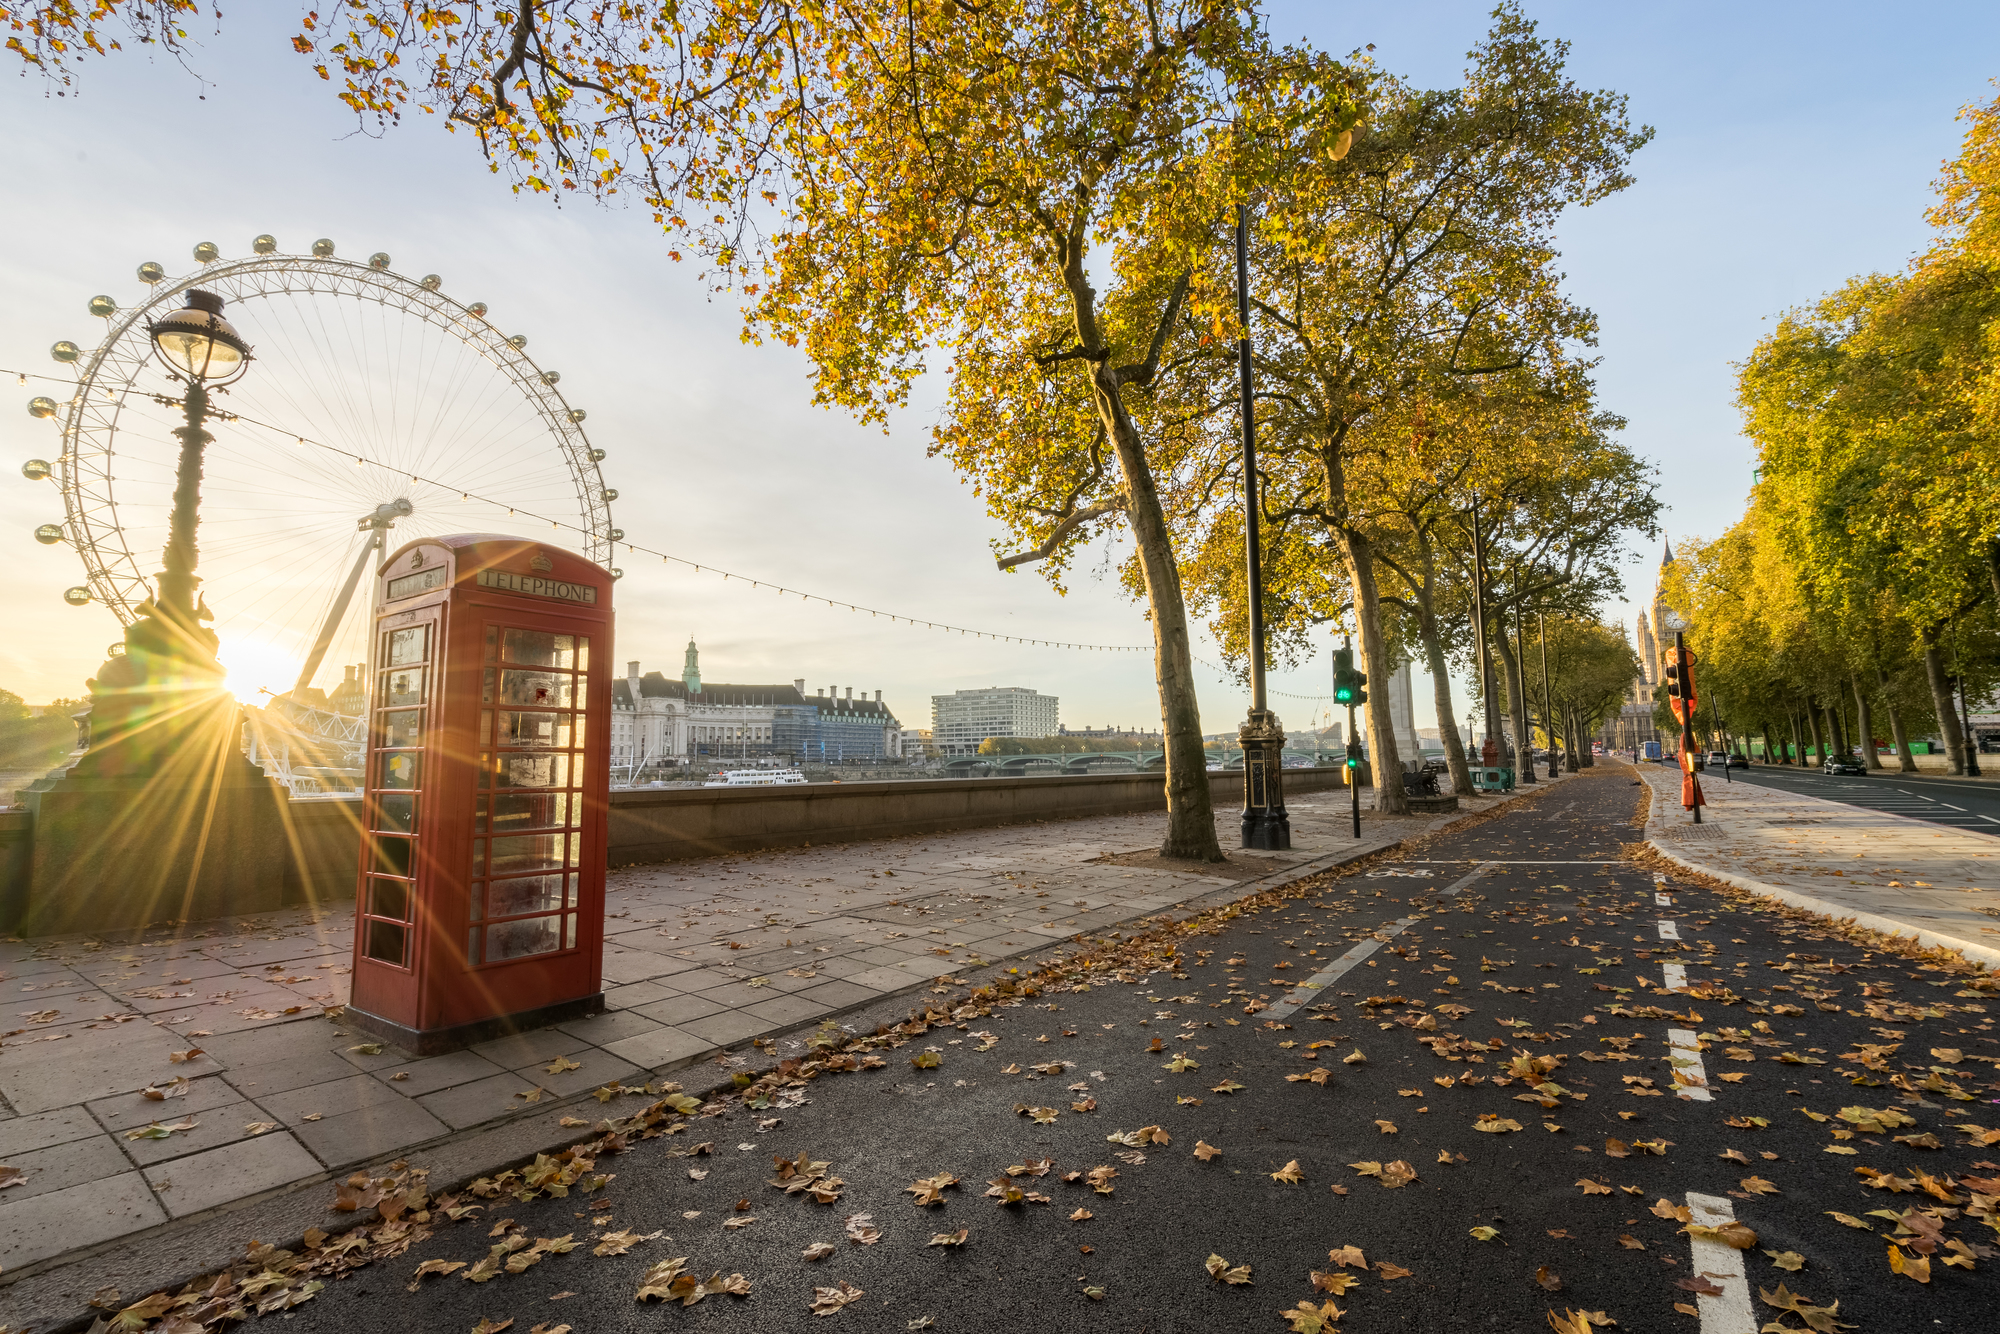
(486, 1326)
(433, 1267)
(1228, 1086)
(1333, 1283)
(1848, 1219)
(1348, 1257)
(1819, 1318)
(930, 1190)
(1308, 1319)
(1732, 1234)
(1698, 1285)
(1548, 1279)
(1221, 1270)
(819, 1250)
(1494, 1124)
(1082, 1216)
(1386, 1127)
(1593, 1187)
(740, 1221)
(926, 1060)
(1290, 1173)
(1484, 1233)
(1678, 1213)
(1389, 1271)
(1206, 1152)
(862, 1231)
(1181, 1065)
(1917, 1267)
(1787, 1260)
(1758, 1186)
(1319, 1076)
(828, 1301)
(1630, 1242)
(1354, 1058)
(1578, 1322)
(618, 1243)
(957, 1238)
(1734, 1156)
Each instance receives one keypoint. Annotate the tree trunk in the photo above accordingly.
(1843, 740)
(1434, 662)
(1947, 712)
(1798, 740)
(1517, 707)
(1864, 718)
(1906, 761)
(1390, 799)
(1818, 751)
(1190, 809)
(1569, 739)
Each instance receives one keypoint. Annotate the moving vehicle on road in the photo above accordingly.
(1844, 764)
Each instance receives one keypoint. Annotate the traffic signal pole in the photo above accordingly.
(1347, 689)
(1680, 693)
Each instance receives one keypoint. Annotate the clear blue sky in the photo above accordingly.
(1795, 146)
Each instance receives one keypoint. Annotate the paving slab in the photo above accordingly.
(438, 1072)
(239, 1172)
(376, 1132)
(62, 1166)
(228, 1124)
(79, 1217)
(42, 1130)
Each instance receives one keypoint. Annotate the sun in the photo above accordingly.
(254, 666)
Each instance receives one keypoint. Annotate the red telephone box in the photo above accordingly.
(480, 908)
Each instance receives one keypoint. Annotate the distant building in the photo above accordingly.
(964, 718)
(657, 723)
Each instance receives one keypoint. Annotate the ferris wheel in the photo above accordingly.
(378, 410)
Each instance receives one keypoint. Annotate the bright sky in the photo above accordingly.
(1796, 145)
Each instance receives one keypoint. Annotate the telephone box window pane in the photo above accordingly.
(529, 852)
(569, 930)
(389, 898)
(385, 942)
(403, 687)
(514, 811)
(534, 771)
(392, 856)
(400, 769)
(576, 849)
(404, 727)
(398, 814)
(535, 893)
(515, 940)
(407, 646)
(549, 690)
(486, 727)
(486, 688)
(579, 731)
(485, 770)
(547, 731)
(582, 653)
(571, 901)
(539, 648)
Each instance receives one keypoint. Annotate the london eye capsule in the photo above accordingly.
(66, 352)
(37, 470)
(41, 405)
(76, 597)
(103, 307)
(152, 271)
(266, 244)
(379, 261)
(323, 248)
(207, 252)
(49, 534)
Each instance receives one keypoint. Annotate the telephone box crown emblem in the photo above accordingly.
(541, 564)
(417, 560)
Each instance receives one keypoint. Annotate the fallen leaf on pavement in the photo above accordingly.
(1228, 1086)
(486, 1326)
(1354, 1058)
(1386, 1127)
(1082, 1216)
(1333, 1283)
(618, 1243)
(930, 1190)
(258, 1127)
(562, 1064)
(1790, 1261)
(1494, 1124)
(1593, 1187)
(1221, 1270)
(819, 1250)
(1206, 1152)
(1290, 1173)
(158, 1131)
(957, 1238)
(1484, 1233)
(1348, 1257)
(862, 1231)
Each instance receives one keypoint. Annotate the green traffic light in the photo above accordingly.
(1343, 695)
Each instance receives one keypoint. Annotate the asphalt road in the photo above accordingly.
(1960, 804)
(1532, 923)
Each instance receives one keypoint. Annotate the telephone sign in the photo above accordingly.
(480, 908)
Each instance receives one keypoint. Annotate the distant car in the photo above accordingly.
(1844, 764)
(1739, 761)
(1717, 759)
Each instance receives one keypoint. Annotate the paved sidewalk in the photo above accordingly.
(264, 1094)
(1886, 871)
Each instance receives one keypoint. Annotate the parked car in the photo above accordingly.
(1739, 761)
(1844, 764)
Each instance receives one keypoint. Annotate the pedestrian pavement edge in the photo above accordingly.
(1840, 912)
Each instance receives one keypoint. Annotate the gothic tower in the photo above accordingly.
(691, 668)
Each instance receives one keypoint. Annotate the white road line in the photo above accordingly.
(1668, 931)
(1722, 1265)
(1325, 977)
(1675, 976)
(1663, 900)
(1684, 1054)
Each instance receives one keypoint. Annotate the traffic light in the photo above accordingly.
(1357, 681)
(1344, 684)
(1673, 681)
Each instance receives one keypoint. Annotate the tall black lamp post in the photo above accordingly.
(167, 680)
(1265, 824)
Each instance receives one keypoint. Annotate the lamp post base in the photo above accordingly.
(1266, 827)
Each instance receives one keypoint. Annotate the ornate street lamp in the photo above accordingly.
(154, 699)
(1265, 822)
(201, 349)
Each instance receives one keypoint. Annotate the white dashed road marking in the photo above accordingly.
(1676, 977)
(1728, 1312)
(1684, 1054)
(1668, 931)
(1663, 900)
(1325, 977)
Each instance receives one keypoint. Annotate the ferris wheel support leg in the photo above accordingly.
(334, 616)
